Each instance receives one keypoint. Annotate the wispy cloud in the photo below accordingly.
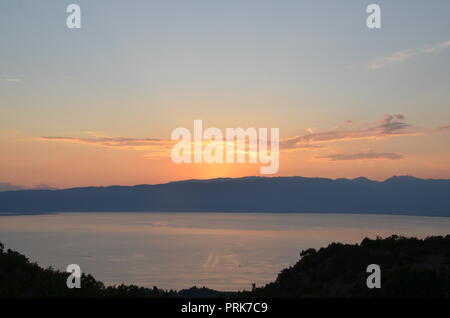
(390, 125)
(157, 148)
(10, 80)
(117, 142)
(402, 56)
(362, 156)
(442, 128)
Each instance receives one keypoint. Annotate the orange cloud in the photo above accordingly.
(363, 156)
(117, 142)
(390, 125)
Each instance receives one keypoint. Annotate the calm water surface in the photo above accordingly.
(179, 250)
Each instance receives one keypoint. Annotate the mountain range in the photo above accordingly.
(402, 195)
(6, 186)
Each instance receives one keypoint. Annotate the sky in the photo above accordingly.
(97, 105)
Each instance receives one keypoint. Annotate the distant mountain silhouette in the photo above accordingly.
(396, 195)
(6, 186)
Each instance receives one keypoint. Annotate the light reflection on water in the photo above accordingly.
(224, 251)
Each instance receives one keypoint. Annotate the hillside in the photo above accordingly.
(409, 268)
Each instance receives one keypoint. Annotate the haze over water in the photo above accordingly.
(224, 251)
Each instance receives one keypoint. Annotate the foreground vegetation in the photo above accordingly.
(410, 268)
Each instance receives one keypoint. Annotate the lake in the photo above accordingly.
(223, 251)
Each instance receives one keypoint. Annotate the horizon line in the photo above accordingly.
(50, 188)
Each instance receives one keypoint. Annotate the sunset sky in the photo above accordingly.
(96, 106)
